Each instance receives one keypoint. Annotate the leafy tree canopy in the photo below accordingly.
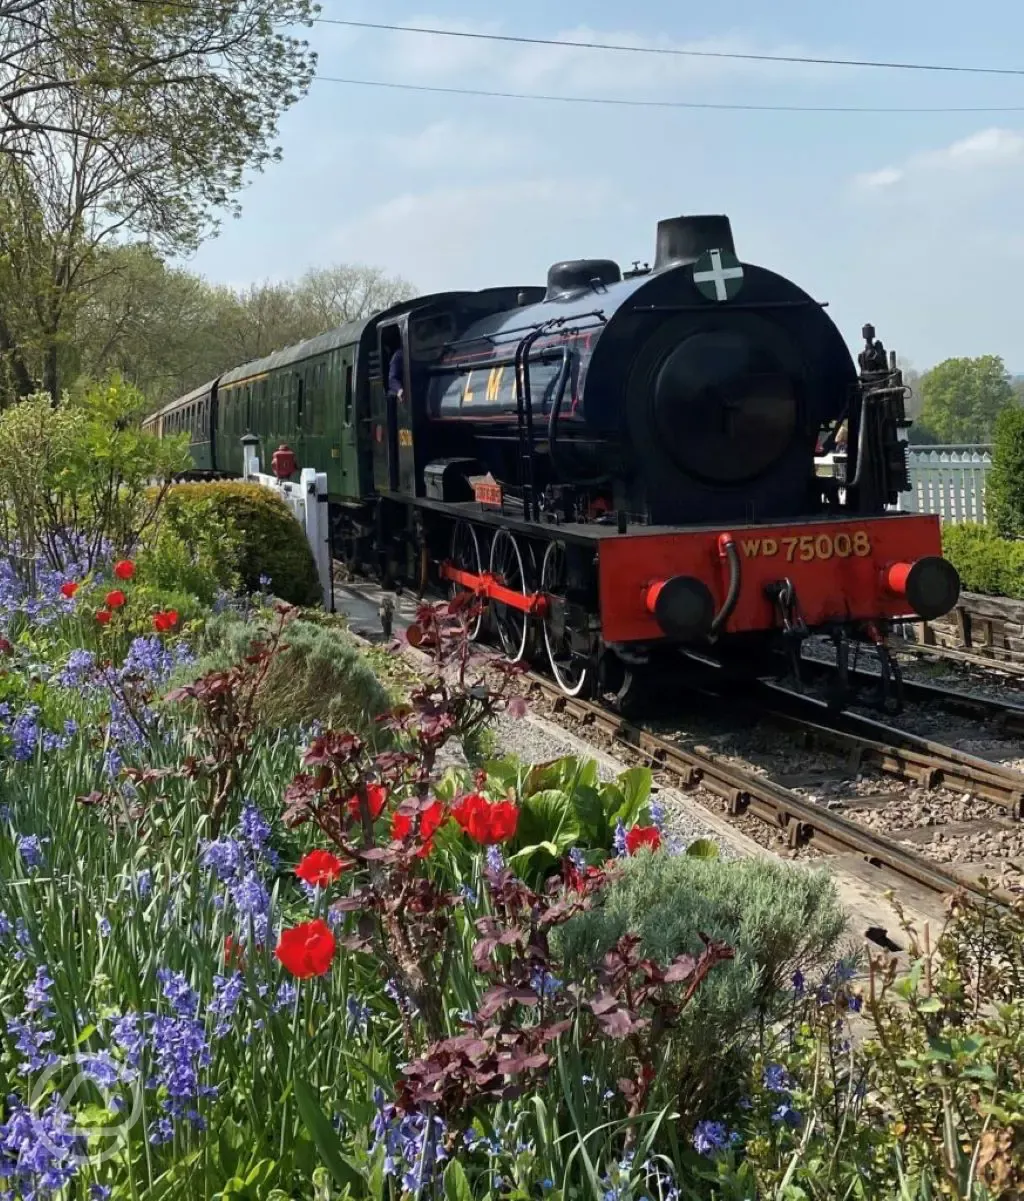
(121, 119)
(961, 398)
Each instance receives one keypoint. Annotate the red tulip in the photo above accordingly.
(306, 950)
(484, 822)
(320, 868)
(124, 569)
(162, 622)
(642, 836)
(69, 589)
(376, 797)
(431, 819)
(115, 599)
(103, 616)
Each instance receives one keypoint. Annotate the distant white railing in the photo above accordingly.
(946, 480)
(307, 500)
(949, 481)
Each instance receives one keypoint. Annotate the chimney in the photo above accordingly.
(683, 240)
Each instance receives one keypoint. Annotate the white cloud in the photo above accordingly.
(464, 236)
(983, 151)
(469, 62)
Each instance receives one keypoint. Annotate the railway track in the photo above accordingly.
(890, 750)
(1006, 716)
(952, 654)
(860, 744)
(745, 791)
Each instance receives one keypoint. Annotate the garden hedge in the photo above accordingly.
(986, 562)
(270, 543)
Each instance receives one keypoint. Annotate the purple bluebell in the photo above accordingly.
(619, 839)
(227, 991)
(495, 859)
(180, 1053)
(255, 831)
(176, 989)
(40, 1154)
(79, 672)
(252, 904)
(776, 1079)
(224, 858)
(413, 1144)
(358, 1020)
(37, 994)
(30, 848)
(102, 1069)
(710, 1137)
(544, 984)
(128, 1036)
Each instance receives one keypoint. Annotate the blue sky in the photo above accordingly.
(912, 221)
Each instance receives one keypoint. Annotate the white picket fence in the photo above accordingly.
(307, 500)
(946, 480)
(949, 481)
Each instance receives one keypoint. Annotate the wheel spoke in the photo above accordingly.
(572, 672)
(508, 567)
(465, 555)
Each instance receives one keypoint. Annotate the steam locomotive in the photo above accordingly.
(621, 464)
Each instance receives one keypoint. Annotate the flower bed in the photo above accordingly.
(269, 961)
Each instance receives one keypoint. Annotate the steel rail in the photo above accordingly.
(893, 751)
(955, 654)
(1007, 715)
(746, 792)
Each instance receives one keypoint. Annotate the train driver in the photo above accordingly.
(396, 373)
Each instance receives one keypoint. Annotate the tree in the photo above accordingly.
(150, 323)
(125, 118)
(331, 296)
(961, 398)
(1004, 488)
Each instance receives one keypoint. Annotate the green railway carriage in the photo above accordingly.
(305, 397)
(194, 414)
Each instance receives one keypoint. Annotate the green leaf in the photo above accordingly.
(550, 817)
(635, 786)
(702, 848)
(456, 1186)
(527, 853)
(595, 829)
(325, 1137)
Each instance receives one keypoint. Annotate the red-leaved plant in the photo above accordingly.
(379, 810)
(405, 917)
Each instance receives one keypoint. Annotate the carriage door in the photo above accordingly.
(387, 419)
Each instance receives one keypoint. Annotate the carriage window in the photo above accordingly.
(348, 393)
(299, 403)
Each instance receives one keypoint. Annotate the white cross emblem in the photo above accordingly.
(718, 274)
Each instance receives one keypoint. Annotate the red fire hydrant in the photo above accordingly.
(282, 462)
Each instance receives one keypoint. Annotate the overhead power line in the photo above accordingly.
(678, 52)
(624, 102)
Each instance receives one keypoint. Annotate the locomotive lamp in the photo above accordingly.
(282, 462)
